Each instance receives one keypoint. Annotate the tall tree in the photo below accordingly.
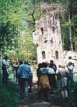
(70, 14)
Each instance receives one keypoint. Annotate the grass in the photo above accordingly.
(9, 95)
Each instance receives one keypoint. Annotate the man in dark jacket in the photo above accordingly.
(52, 78)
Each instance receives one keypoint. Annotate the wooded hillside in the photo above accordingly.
(17, 21)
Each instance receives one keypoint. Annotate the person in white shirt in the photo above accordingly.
(62, 76)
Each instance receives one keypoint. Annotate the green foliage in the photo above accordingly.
(7, 33)
(9, 95)
(29, 50)
(17, 16)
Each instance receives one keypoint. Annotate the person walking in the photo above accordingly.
(44, 85)
(71, 76)
(52, 77)
(5, 66)
(24, 74)
(62, 77)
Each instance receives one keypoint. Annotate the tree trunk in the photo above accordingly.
(70, 34)
(70, 27)
(76, 45)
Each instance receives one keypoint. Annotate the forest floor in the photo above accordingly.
(55, 100)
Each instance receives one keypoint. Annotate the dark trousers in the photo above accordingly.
(71, 81)
(52, 81)
(44, 93)
(24, 84)
(4, 75)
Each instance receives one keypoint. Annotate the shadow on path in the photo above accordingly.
(55, 100)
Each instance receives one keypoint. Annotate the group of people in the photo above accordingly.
(46, 78)
(50, 77)
(22, 72)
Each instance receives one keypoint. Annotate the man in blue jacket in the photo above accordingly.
(24, 73)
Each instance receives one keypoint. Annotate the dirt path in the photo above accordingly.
(55, 100)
